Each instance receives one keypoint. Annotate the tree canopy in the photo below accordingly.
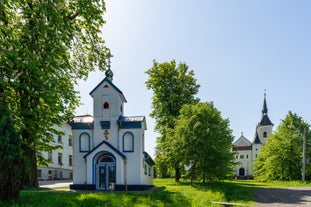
(45, 47)
(173, 86)
(203, 140)
(280, 157)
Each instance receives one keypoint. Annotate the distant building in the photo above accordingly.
(246, 151)
(109, 148)
(60, 161)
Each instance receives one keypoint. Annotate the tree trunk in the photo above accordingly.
(177, 174)
(30, 171)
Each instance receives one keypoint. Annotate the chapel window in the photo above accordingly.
(84, 142)
(128, 142)
(106, 105)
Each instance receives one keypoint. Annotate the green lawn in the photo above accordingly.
(169, 194)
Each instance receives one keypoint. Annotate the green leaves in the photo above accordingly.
(280, 158)
(205, 139)
(45, 48)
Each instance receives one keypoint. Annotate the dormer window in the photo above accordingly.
(106, 105)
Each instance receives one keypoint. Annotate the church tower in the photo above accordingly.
(263, 130)
(264, 127)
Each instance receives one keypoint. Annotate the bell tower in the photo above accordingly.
(264, 127)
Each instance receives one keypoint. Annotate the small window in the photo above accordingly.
(59, 139)
(39, 173)
(265, 134)
(246, 156)
(50, 156)
(60, 158)
(106, 86)
(149, 173)
(241, 156)
(106, 105)
(145, 169)
(70, 140)
(70, 160)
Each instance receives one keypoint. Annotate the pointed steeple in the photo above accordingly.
(265, 119)
(264, 107)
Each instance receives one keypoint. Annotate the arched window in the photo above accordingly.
(106, 105)
(84, 142)
(242, 172)
(128, 142)
(265, 134)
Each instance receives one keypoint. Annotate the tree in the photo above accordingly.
(45, 47)
(280, 158)
(10, 153)
(203, 141)
(173, 86)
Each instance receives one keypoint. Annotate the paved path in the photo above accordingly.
(54, 183)
(279, 197)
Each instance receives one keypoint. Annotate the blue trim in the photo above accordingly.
(132, 150)
(94, 165)
(148, 159)
(77, 126)
(105, 124)
(131, 125)
(115, 87)
(110, 146)
(89, 142)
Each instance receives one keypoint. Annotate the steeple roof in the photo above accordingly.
(265, 119)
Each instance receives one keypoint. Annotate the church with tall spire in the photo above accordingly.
(246, 151)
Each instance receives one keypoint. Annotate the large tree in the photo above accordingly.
(10, 153)
(45, 47)
(280, 157)
(173, 86)
(202, 141)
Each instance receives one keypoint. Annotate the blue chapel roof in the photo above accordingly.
(110, 146)
(114, 86)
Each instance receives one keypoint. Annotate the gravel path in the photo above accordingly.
(279, 197)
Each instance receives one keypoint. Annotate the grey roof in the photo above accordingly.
(256, 139)
(83, 119)
(265, 121)
(131, 119)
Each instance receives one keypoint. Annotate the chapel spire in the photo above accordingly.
(265, 119)
(264, 107)
(109, 73)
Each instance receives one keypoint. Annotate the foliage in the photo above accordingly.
(10, 153)
(202, 141)
(45, 47)
(173, 86)
(169, 194)
(280, 158)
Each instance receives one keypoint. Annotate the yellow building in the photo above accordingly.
(246, 151)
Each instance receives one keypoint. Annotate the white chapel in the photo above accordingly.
(246, 151)
(109, 147)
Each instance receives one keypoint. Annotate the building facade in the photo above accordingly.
(246, 151)
(108, 146)
(60, 161)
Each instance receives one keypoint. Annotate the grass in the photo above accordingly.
(170, 194)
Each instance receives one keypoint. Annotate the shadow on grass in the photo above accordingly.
(233, 191)
(159, 197)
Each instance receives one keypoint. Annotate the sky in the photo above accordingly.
(238, 49)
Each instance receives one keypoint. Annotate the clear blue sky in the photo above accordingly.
(237, 49)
